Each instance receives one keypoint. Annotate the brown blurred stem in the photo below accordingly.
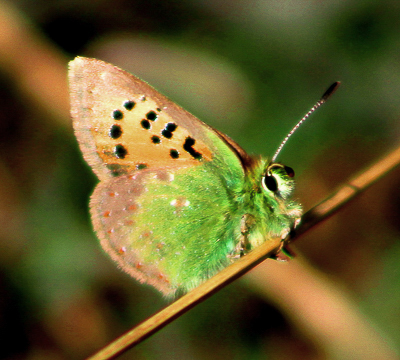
(318, 213)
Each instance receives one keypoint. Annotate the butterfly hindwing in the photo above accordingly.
(163, 232)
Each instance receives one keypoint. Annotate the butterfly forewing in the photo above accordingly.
(129, 124)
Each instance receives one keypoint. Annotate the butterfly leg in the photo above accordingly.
(243, 245)
(284, 253)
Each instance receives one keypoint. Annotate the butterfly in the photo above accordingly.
(177, 200)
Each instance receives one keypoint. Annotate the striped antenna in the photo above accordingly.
(323, 99)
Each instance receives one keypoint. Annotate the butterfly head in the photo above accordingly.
(278, 180)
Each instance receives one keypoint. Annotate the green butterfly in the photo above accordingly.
(177, 200)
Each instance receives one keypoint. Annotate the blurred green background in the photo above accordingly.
(250, 69)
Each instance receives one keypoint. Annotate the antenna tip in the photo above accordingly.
(328, 93)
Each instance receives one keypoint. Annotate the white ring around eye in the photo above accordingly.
(263, 183)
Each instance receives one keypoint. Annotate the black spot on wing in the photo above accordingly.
(129, 104)
(171, 127)
(120, 151)
(141, 166)
(168, 130)
(174, 153)
(188, 146)
(117, 170)
(155, 139)
(115, 132)
(167, 134)
(151, 115)
(145, 124)
(117, 115)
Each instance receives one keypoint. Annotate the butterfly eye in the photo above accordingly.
(289, 171)
(270, 183)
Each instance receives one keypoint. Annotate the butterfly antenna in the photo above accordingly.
(328, 93)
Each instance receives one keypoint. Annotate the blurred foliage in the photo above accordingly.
(249, 68)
